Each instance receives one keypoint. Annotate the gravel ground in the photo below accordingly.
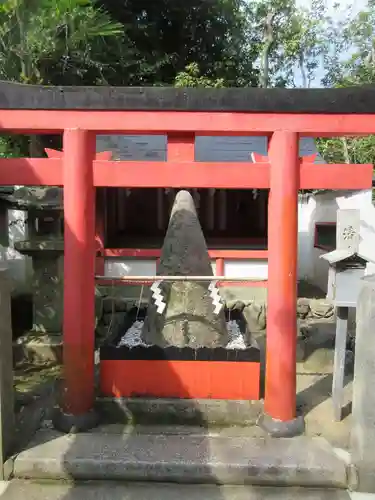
(132, 336)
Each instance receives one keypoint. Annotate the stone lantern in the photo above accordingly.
(45, 246)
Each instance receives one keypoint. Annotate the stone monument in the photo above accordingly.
(189, 318)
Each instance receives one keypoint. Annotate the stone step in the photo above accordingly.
(144, 491)
(202, 412)
(203, 459)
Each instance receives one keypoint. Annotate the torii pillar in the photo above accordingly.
(279, 417)
(76, 412)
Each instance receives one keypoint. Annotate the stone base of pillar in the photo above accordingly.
(73, 424)
(282, 429)
(37, 348)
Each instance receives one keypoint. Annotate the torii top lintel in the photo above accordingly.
(182, 114)
(354, 100)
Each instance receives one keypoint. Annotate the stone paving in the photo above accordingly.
(114, 491)
(200, 457)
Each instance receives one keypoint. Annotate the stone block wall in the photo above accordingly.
(112, 310)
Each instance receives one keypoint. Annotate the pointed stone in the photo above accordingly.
(189, 318)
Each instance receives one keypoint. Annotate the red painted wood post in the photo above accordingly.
(79, 280)
(219, 267)
(280, 391)
(101, 199)
(180, 147)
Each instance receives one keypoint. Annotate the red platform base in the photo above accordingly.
(180, 379)
(180, 373)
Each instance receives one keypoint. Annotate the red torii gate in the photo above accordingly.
(283, 115)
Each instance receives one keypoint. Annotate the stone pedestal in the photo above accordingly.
(48, 292)
(44, 341)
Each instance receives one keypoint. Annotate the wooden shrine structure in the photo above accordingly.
(281, 114)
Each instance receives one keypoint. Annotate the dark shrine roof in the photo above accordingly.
(275, 100)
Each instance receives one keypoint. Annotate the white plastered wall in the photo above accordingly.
(19, 266)
(323, 207)
(311, 209)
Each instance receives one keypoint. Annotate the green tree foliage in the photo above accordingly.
(171, 34)
(290, 40)
(348, 149)
(349, 61)
(304, 43)
(358, 41)
(192, 77)
(92, 42)
(269, 22)
(56, 41)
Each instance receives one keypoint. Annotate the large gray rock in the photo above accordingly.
(303, 307)
(189, 318)
(112, 304)
(320, 308)
(256, 316)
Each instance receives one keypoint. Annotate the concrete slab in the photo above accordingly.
(183, 459)
(3, 487)
(115, 491)
(313, 399)
(315, 402)
(179, 411)
(166, 430)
